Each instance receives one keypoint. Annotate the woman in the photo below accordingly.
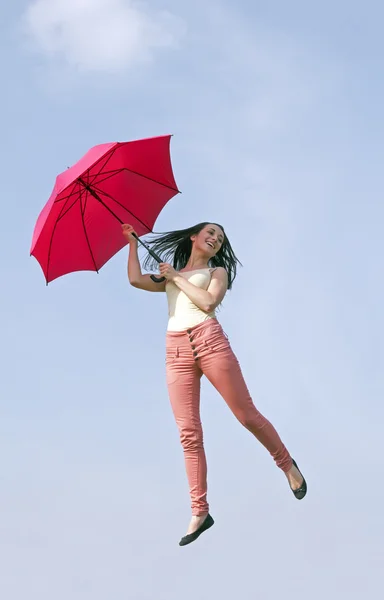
(203, 269)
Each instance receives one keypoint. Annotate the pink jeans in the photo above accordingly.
(205, 350)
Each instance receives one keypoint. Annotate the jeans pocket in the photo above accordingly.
(171, 354)
(171, 366)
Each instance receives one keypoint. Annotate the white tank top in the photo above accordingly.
(182, 312)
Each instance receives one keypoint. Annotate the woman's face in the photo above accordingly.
(209, 240)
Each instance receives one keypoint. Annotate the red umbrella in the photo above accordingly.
(79, 228)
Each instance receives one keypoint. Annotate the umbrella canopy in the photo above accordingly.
(79, 228)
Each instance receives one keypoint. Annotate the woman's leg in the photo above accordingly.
(222, 369)
(183, 381)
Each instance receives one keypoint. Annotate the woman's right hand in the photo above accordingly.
(127, 233)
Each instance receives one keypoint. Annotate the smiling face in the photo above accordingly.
(209, 240)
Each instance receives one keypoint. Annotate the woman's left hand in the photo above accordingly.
(166, 270)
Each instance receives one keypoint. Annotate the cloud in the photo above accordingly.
(99, 35)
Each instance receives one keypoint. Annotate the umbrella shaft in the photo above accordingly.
(151, 252)
(96, 195)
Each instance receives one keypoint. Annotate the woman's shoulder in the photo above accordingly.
(219, 270)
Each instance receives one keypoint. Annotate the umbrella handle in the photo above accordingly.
(158, 279)
(154, 255)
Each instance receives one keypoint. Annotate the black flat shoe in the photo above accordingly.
(191, 537)
(302, 490)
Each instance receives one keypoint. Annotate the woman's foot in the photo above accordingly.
(196, 522)
(297, 482)
(197, 526)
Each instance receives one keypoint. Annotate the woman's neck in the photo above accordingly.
(197, 261)
(191, 265)
(196, 264)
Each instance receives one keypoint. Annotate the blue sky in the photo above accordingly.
(277, 116)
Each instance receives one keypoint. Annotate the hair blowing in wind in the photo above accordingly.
(175, 248)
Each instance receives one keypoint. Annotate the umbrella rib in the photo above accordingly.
(85, 229)
(111, 153)
(66, 197)
(62, 198)
(64, 212)
(151, 179)
(96, 195)
(117, 171)
(112, 171)
(107, 158)
(109, 175)
(51, 240)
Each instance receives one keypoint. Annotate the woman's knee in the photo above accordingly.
(191, 437)
(251, 419)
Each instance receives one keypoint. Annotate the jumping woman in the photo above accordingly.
(203, 269)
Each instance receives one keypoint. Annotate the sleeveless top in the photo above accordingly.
(182, 312)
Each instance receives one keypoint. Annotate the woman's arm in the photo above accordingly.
(135, 276)
(206, 300)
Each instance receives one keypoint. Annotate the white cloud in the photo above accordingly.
(99, 35)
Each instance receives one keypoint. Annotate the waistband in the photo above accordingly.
(211, 322)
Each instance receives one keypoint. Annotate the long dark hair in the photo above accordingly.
(175, 248)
